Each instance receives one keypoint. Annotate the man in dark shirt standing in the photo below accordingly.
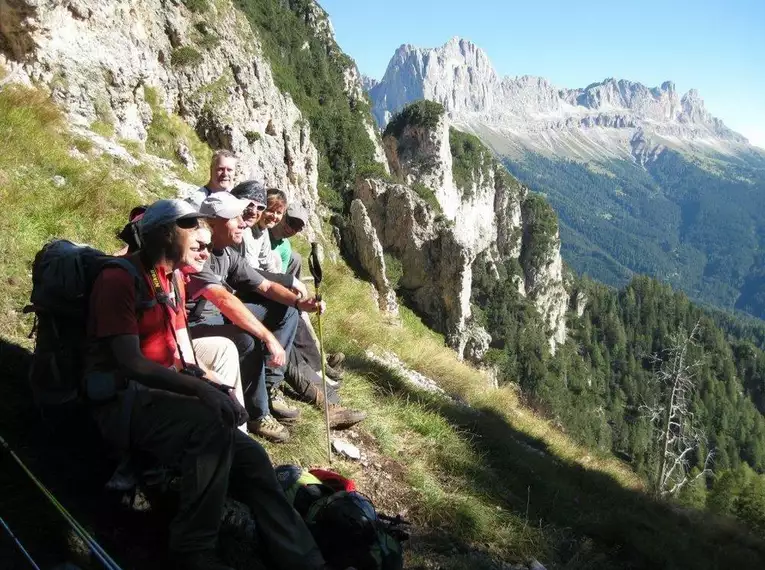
(265, 325)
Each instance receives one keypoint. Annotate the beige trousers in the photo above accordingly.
(220, 355)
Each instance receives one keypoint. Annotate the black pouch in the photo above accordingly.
(101, 387)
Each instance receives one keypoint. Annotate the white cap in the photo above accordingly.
(223, 205)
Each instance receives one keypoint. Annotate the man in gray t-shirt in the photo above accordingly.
(269, 318)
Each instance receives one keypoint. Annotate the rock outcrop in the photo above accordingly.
(100, 58)
(436, 268)
(366, 250)
(528, 113)
(438, 223)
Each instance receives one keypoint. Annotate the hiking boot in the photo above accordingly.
(268, 428)
(335, 373)
(335, 359)
(281, 409)
(342, 418)
(201, 560)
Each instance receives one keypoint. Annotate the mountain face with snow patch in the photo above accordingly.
(644, 179)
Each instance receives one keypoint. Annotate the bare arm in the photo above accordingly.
(235, 311)
(282, 295)
(127, 352)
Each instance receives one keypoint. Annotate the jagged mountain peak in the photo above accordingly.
(460, 76)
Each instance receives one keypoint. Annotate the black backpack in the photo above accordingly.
(345, 524)
(63, 273)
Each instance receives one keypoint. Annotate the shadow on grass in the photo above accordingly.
(589, 518)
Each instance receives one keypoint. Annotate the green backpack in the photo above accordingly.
(345, 524)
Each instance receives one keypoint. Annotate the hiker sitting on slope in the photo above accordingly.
(218, 353)
(282, 221)
(293, 222)
(269, 317)
(305, 381)
(222, 177)
(181, 418)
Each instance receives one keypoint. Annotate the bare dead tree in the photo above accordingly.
(680, 437)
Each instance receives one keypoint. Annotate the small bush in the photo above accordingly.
(428, 195)
(472, 161)
(394, 270)
(372, 170)
(102, 128)
(185, 56)
(252, 136)
(209, 39)
(330, 197)
(425, 114)
(197, 6)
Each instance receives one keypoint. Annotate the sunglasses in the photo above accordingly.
(202, 246)
(187, 223)
(252, 208)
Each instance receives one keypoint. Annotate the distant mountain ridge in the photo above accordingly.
(643, 179)
(541, 117)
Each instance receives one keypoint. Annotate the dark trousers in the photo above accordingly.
(306, 345)
(302, 366)
(295, 264)
(282, 321)
(181, 430)
(257, 378)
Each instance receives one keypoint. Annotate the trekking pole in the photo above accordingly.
(18, 543)
(314, 266)
(95, 548)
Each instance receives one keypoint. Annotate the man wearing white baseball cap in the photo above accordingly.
(265, 325)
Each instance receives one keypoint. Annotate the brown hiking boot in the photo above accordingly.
(335, 359)
(335, 374)
(342, 418)
(281, 409)
(268, 428)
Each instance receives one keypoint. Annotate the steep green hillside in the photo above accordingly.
(697, 224)
(308, 65)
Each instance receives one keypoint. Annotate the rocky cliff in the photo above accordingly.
(100, 59)
(528, 113)
(354, 84)
(456, 204)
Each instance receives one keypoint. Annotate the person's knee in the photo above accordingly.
(291, 317)
(251, 454)
(208, 429)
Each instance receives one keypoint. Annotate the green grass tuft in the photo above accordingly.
(166, 131)
(185, 56)
(89, 208)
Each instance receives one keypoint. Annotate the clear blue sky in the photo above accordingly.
(716, 47)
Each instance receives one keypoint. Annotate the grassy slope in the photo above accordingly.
(480, 483)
